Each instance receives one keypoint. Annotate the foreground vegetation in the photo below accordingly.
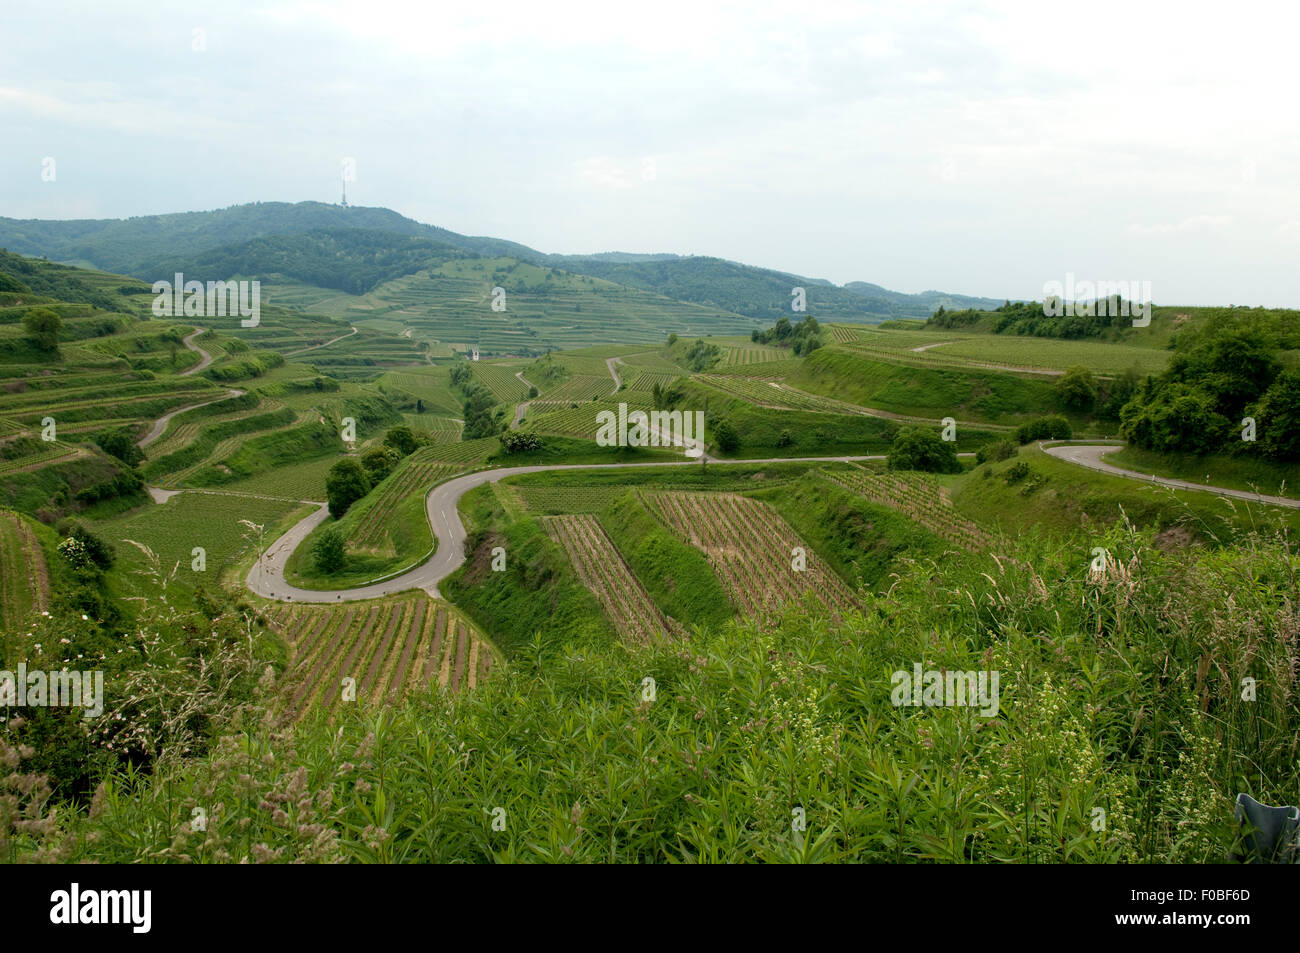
(1125, 728)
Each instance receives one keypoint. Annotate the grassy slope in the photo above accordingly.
(538, 594)
(677, 575)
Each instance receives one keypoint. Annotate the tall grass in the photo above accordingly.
(1124, 731)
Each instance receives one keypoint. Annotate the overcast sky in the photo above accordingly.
(978, 148)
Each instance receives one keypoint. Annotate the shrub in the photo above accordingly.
(916, 448)
(516, 441)
(1055, 427)
(996, 452)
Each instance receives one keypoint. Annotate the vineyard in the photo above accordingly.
(465, 452)
(920, 498)
(553, 500)
(438, 429)
(387, 648)
(501, 381)
(770, 393)
(581, 389)
(644, 381)
(747, 354)
(579, 421)
(752, 550)
(371, 531)
(24, 578)
(602, 570)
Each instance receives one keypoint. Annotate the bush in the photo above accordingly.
(996, 452)
(1016, 472)
(515, 441)
(1055, 427)
(916, 448)
(725, 437)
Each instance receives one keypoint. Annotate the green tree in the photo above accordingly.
(1078, 388)
(1278, 418)
(379, 462)
(345, 483)
(916, 448)
(725, 437)
(402, 439)
(43, 326)
(328, 551)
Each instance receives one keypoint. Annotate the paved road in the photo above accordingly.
(267, 578)
(522, 408)
(1090, 456)
(618, 381)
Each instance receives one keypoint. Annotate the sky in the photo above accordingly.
(974, 148)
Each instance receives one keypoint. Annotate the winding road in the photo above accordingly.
(266, 578)
(205, 359)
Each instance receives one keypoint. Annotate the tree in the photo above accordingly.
(1078, 389)
(725, 436)
(43, 326)
(1278, 418)
(328, 551)
(401, 439)
(345, 483)
(1175, 418)
(916, 448)
(120, 443)
(379, 462)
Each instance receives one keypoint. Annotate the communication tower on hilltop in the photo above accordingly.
(345, 193)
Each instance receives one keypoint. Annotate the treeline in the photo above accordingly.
(804, 337)
(1225, 390)
(1033, 318)
(482, 417)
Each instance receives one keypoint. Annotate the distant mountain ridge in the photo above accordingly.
(328, 245)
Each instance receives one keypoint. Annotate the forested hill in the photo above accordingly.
(134, 246)
(353, 260)
(327, 246)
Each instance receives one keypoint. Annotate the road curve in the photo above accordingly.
(1089, 455)
(204, 357)
(266, 578)
(161, 423)
(618, 381)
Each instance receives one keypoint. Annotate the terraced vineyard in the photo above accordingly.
(439, 429)
(387, 647)
(24, 577)
(644, 381)
(772, 393)
(581, 388)
(579, 421)
(919, 497)
(501, 381)
(745, 354)
(467, 452)
(602, 570)
(751, 548)
(371, 531)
